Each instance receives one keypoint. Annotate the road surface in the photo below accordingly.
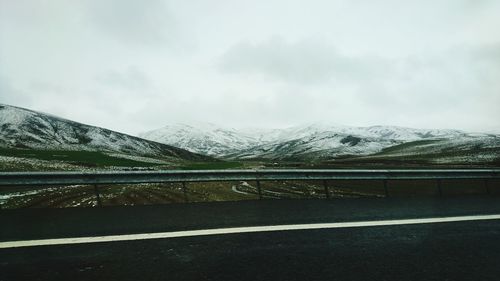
(358, 244)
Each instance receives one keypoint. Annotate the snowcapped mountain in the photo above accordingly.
(23, 128)
(473, 148)
(306, 142)
(204, 138)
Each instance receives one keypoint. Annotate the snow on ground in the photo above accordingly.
(21, 127)
(472, 159)
(234, 188)
(14, 116)
(6, 196)
(8, 163)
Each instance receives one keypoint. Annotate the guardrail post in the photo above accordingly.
(487, 186)
(184, 190)
(440, 190)
(386, 189)
(259, 190)
(97, 195)
(327, 193)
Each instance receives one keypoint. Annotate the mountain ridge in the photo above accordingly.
(308, 142)
(28, 129)
(25, 128)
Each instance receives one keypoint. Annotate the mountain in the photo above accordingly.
(473, 148)
(323, 141)
(26, 129)
(317, 141)
(204, 138)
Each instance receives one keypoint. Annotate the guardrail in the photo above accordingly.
(30, 179)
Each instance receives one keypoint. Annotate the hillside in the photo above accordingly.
(320, 141)
(472, 149)
(23, 133)
(204, 138)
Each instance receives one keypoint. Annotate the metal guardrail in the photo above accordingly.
(121, 177)
(30, 179)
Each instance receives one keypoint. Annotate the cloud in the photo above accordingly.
(446, 88)
(130, 65)
(11, 95)
(305, 61)
(131, 78)
(133, 22)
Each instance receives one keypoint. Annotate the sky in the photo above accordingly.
(134, 66)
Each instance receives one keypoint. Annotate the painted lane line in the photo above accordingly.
(235, 230)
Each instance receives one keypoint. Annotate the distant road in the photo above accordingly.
(364, 239)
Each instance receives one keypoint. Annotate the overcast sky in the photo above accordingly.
(133, 65)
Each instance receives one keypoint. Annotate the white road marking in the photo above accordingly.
(233, 230)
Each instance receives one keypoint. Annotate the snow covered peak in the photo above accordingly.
(12, 115)
(410, 134)
(200, 137)
(210, 139)
(199, 126)
(23, 128)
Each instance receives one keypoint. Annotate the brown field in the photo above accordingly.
(141, 194)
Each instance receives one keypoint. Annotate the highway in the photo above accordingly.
(358, 243)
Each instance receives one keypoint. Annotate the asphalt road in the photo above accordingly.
(468, 250)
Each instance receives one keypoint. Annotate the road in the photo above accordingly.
(460, 250)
